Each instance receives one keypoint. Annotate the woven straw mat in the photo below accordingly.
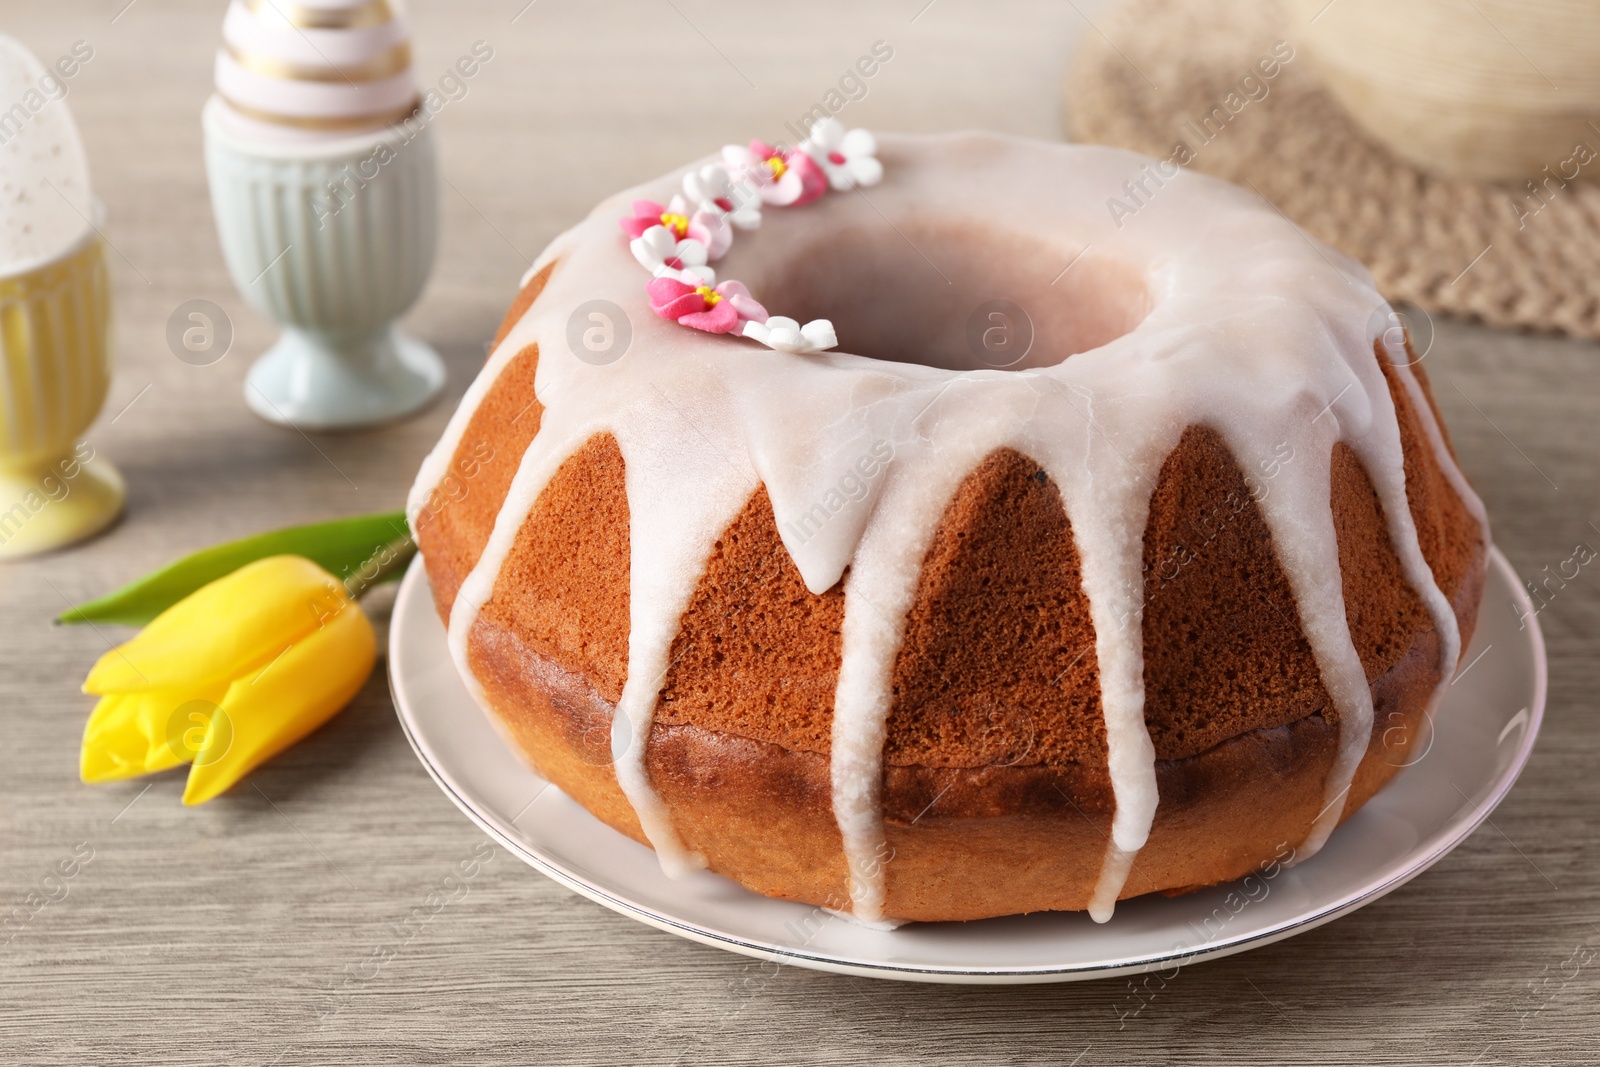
(1149, 71)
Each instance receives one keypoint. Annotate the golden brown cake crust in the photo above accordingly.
(996, 794)
(459, 515)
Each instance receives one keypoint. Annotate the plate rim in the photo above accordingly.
(414, 585)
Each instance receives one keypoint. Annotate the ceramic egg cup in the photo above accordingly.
(334, 240)
(54, 373)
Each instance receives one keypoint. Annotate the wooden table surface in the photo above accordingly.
(262, 928)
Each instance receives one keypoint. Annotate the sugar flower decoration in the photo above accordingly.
(739, 202)
(724, 309)
(786, 178)
(849, 159)
(660, 252)
(707, 227)
(787, 335)
(675, 245)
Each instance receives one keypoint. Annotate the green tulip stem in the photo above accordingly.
(380, 566)
(339, 546)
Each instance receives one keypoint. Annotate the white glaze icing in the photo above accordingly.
(1248, 327)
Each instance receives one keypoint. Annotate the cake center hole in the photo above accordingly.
(959, 297)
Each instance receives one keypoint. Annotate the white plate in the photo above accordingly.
(1484, 734)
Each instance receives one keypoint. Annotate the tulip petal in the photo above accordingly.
(221, 630)
(269, 711)
(142, 733)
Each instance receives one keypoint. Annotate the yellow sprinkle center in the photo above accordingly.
(678, 224)
(777, 166)
(709, 295)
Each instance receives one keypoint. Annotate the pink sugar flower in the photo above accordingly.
(787, 178)
(709, 227)
(724, 309)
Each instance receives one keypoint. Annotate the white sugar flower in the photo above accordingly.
(787, 335)
(848, 158)
(713, 188)
(661, 253)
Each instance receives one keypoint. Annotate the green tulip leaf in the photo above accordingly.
(339, 547)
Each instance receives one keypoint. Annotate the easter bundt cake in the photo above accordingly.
(1115, 549)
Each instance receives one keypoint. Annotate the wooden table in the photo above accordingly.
(266, 928)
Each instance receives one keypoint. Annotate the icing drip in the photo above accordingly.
(1298, 514)
(1381, 456)
(1247, 328)
(1441, 451)
(882, 585)
(665, 572)
(1106, 487)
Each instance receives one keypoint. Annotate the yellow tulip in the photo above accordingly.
(228, 677)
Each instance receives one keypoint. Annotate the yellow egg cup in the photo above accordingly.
(54, 373)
